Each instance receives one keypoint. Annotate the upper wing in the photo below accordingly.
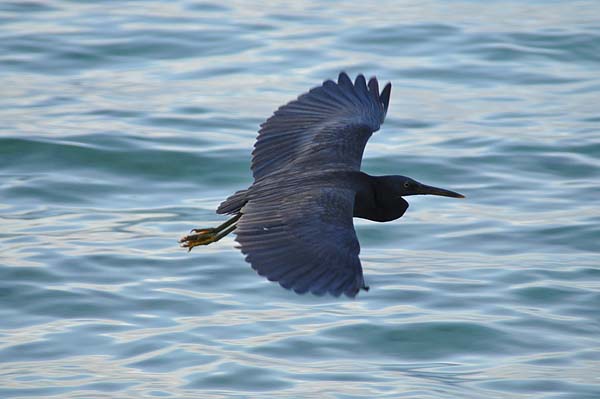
(305, 241)
(328, 127)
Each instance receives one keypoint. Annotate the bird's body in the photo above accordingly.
(294, 223)
(370, 201)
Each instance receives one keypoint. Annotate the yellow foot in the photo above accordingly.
(201, 237)
(208, 236)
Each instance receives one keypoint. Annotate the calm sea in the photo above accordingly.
(123, 124)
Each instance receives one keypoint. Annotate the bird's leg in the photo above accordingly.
(209, 235)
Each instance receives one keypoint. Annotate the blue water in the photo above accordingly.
(124, 124)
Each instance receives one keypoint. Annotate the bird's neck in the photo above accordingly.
(376, 201)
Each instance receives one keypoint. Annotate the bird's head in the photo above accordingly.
(403, 186)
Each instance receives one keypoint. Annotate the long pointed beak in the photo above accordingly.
(430, 190)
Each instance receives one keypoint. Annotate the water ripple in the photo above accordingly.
(123, 127)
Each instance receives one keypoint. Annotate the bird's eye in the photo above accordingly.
(406, 184)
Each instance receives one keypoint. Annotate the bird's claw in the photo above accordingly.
(201, 230)
(200, 237)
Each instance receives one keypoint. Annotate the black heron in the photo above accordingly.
(294, 223)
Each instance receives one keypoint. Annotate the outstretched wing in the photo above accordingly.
(305, 241)
(328, 127)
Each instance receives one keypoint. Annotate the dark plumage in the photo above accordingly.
(294, 223)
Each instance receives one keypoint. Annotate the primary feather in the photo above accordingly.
(328, 127)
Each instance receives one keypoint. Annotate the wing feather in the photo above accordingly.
(305, 241)
(337, 116)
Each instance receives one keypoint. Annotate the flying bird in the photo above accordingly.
(295, 222)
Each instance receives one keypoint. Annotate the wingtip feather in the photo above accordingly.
(374, 86)
(360, 83)
(385, 96)
(343, 78)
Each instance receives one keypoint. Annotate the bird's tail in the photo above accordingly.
(234, 203)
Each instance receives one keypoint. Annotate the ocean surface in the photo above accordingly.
(123, 124)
